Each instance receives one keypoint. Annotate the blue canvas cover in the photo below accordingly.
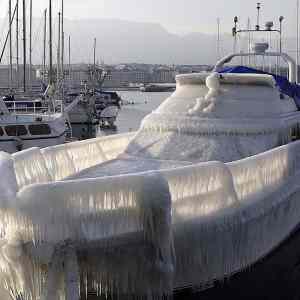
(282, 83)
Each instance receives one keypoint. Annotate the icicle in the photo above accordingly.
(8, 182)
(30, 167)
(65, 160)
(71, 275)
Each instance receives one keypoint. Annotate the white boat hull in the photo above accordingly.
(11, 145)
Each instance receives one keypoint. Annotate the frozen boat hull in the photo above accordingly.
(230, 224)
(274, 277)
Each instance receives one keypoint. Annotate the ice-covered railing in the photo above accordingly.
(208, 187)
(30, 167)
(65, 160)
(55, 163)
(220, 223)
(218, 232)
(265, 172)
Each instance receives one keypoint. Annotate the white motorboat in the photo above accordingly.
(205, 189)
(30, 127)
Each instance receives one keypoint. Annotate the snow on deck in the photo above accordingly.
(127, 165)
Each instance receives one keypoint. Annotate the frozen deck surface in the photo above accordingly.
(126, 165)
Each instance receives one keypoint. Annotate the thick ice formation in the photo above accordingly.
(121, 225)
(70, 222)
(230, 117)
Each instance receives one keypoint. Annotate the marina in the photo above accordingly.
(162, 191)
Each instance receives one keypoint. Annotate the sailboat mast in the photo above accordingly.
(95, 45)
(297, 32)
(10, 46)
(62, 48)
(50, 44)
(58, 52)
(62, 39)
(30, 44)
(17, 41)
(69, 57)
(44, 45)
(24, 45)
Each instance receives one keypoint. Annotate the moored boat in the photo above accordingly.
(204, 190)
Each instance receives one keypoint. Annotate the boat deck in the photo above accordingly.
(125, 165)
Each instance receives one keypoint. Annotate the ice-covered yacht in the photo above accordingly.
(206, 188)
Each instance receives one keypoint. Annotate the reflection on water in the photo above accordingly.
(131, 115)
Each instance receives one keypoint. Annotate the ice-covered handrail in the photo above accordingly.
(208, 187)
(55, 163)
(65, 160)
(266, 171)
(30, 167)
(290, 61)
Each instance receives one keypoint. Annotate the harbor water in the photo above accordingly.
(136, 106)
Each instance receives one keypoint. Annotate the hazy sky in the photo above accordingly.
(179, 16)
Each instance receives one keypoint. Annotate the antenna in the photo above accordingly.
(280, 32)
(268, 27)
(234, 32)
(258, 15)
(218, 40)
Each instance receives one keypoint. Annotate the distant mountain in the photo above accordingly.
(121, 41)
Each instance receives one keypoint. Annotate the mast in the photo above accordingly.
(95, 45)
(24, 45)
(44, 44)
(58, 52)
(7, 35)
(69, 57)
(17, 41)
(297, 32)
(50, 76)
(30, 44)
(10, 46)
(62, 40)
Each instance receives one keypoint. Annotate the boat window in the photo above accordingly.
(39, 129)
(15, 130)
(1, 131)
